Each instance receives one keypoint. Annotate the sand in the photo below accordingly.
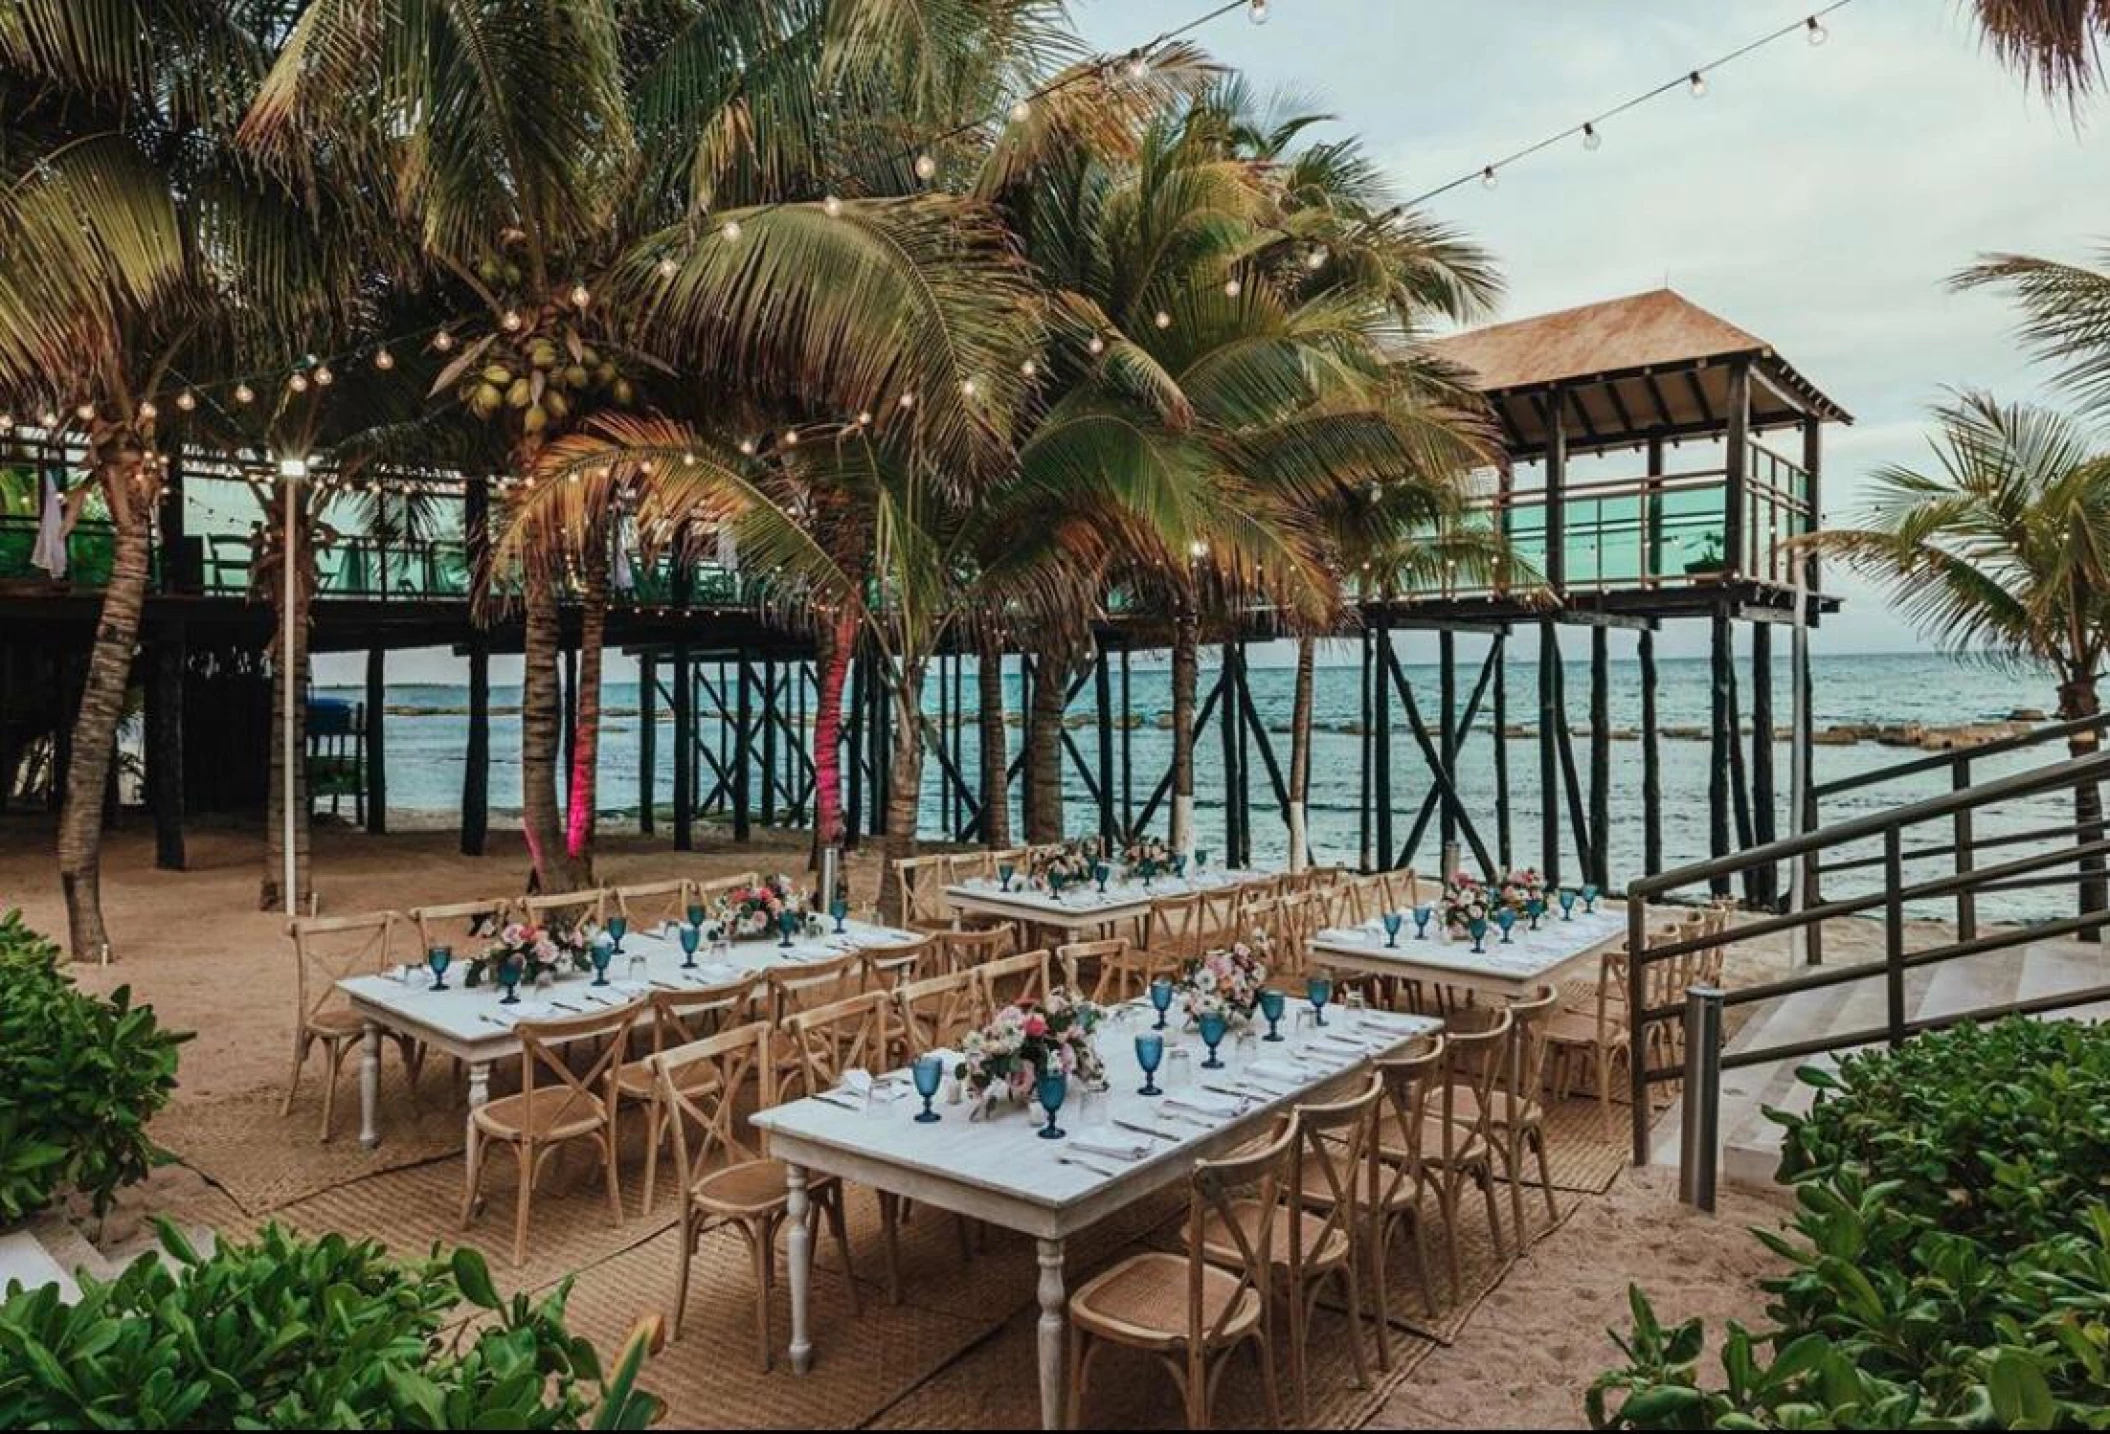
(194, 945)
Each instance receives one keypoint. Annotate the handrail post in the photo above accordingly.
(1966, 899)
(1637, 1026)
(1700, 1146)
(1894, 932)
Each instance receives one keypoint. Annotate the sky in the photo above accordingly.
(1819, 197)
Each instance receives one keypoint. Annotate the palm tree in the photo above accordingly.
(2065, 315)
(2004, 550)
(2058, 44)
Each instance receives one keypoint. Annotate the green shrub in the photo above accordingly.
(285, 1333)
(1949, 1255)
(80, 1077)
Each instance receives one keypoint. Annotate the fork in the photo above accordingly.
(1082, 1163)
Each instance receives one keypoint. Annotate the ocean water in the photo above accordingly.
(426, 739)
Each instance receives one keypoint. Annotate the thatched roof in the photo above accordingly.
(1626, 370)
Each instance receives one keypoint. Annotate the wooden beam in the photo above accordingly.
(1600, 757)
(376, 741)
(1651, 763)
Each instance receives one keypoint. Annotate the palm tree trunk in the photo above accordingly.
(80, 835)
(541, 817)
(288, 667)
(2077, 699)
(581, 794)
(904, 798)
(1300, 751)
(1186, 665)
(993, 745)
(834, 645)
(1045, 818)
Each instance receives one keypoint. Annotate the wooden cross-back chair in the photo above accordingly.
(542, 1119)
(1392, 1192)
(1028, 976)
(725, 1179)
(889, 967)
(1189, 1312)
(1316, 1225)
(1456, 1141)
(458, 924)
(966, 949)
(919, 887)
(935, 1012)
(1115, 969)
(326, 950)
(715, 886)
(649, 906)
(814, 983)
(1219, 915)
(677, 1018)
(565, 910)
(1400, 886)
(1516, 1116)
(1174, 931)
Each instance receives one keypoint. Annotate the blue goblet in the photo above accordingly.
(1393, 921)
(1505, 917)
(439, 958)
(928, 1071)
(695, 913)
(1179, 866)
(509, 973)
(1318, 990)
(1053, 1089)
(1213, 1028)
(618, 927)
(690, 936)
(1589, 896)
(1568, 903)
(1201, 859)
(1423, 914)
(1004, 872)
(1161, 998)
(787, 922)
(1055, 884)
(1478, 927)
(1535, 908)
(840, 910)
(602, 952)
(1150, 1053)
(1271, 1006)
(1100, 872)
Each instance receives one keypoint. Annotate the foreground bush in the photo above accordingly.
(286, 1333)
(80, 1077)
(1950, 1252)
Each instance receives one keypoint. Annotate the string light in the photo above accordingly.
(864, 418)
(1591, 138)
(298, 383)
(832, 207)
(383, 359)
(1316, 259)
(1096, 344)
(147, 411)
(511, 321)
(1816, 31)
(730, 229)
(323, 375)
(1021, 112)
(443, 341)
(1257, 12)
(1162, 319)
(790, 438)
(1138, 65)
(1487, 178)
(581, 296)
(1232, 287)
(668, 268)
(48, 419)
(1029, 368)
(908, 398)
(85, 413)
(1698, 83)
(244, 394)
(926, 167)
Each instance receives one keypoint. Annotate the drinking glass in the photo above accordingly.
(1213, 1027)
(1393, 921)
(1179, 866)
(1568, 903)
(1245, 1045)
(1201, 859)
(1505, 918)
(618, 927)
(509, 972)
(1100, 872)
(695, 913)
(1318, 990)
(1354, 1005)
(929, 1073)
(840, 910)
(690, 937)
(1271, 1005)
(638, 968)
(603, 951)
(1150, 1053)
(1053, 1088)
(1478, 927)
(1161, 999)
(1179, 1069)
(439, 958)
(1004, 872)
(787, 922)
(1422, 913)
(1589, 896)
(721, 950)
(1535, 908)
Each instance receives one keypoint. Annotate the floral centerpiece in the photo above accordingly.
(1147, 858)
(1027, 1040)
(1518, 889)
(747, 912)
(541, 950)
(1068, 865)
(1225, 983)
(1465, 900)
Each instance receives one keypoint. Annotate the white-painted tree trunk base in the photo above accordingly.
(1182, 839)
(1297, 860)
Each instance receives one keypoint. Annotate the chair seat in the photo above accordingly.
(1466, 1146)
(1465, 1109)
(751, 1187)
(1319, 1247)
(1579, 1028)
(552, 1113)
(336, 1023)
(1143, 1302)
(635, 1081)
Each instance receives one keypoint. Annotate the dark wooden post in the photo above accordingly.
(647, 742)
(1103, 691)
(476, 763)
(1719, 740)
(1365, 747)
(1504, 840)
(1447, 736)
(1651, 762)
(375, 737)
(686, 735)
(1128, 766)
(164, 738)
(1227, 731)
(769, 685)
(1381, 736)
(1652, 516)
(1736, 459)
(743, 746)
(1600, 756)
(1551, 719)
(1762, 819)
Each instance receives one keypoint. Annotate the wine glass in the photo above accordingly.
(1150, 1052)
(509, 973)
(1179, 865)
(1478, 927)
(1589, 896)
(1422, 915)
(1535, 908)
(1004, 872)
(840, 910)
(695, 913)
(439, 958)
(787, 922)
(721, 950)
(1568, 903)
(1161, 999)
(1055, 884)
(618, 928)
(1505, 917)
(1393, 921)
(603, 951)
(1354, 1004)
(690, 937)
(1271, 1006)
(1213, 1027)
(928, 1072)
(1318, 990)
(1053, 1088)
(1201, 859)
(1100, 872)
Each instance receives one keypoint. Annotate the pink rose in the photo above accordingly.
(1036, 1025)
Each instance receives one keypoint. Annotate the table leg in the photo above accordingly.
(799, 1236)
(1054, 1325)
(479, 1083)
(369, 1084)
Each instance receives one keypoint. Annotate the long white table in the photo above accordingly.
(1084, 909)
(1510, 971)
(474, 1028)
(998, 1170)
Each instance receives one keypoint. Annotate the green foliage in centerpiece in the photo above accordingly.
(80, 1077)
(288, 1333)
(541, 951)
(1069, 865)
(749, 912)
(1950, 1252)
(1146, 859)
(1027, 1040)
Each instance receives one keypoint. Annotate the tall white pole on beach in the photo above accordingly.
(291, 471)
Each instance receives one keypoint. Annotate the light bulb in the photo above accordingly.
(864, 417)
(1096, 344)
(668, 268)
(1591, 138)
(243, 393)
(48, 419)
(790, 438)
(324, 377)
(731, 229)
(581, 296)
(1698, 82)
(926, 167)
(85, 413)
(1233, 288)
(384, 360)
(186, 400)
(1138, 66)
(298, 383)
(1021, 112)
(1029, 368)
(1316, 259)
(1162, 319)
(1197, 549)
(1257, 12)
(7, 423)
(1487, 177)
(908, 399)
(147, 411)
(510, 321)
(1815, 31)
(747, 446)
(969, 388)
(832, 207)
(443, 341)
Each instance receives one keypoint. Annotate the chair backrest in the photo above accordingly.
(1012, 979)
(1400, 888)
(1258, 1174)
(1174, 930)
(650, 905)
(1261, 916)
(965, 950)
(701, 1085)
(1525, 1066)
(920, 883)
(1219, 915)
(1334, 1139)
(1395, 1183)
(705, 891)
(1108, 968)
(684, 1016)
(455, 923)
(886, 967)
(837, 1037)
(545, 1049)
(816, 983)
(1472, 1062)
(937, 1011)
(565, 910)
(329, 949)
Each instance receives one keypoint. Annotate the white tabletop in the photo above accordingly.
(1526, 958)
(1085, 902)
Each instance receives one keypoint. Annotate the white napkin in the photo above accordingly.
(1279, 1072)
(1205, 1102)
(1112, 1149)
(524, 1011)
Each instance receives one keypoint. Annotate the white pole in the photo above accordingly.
(292, 470)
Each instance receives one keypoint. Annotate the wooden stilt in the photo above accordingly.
(1651, 762)
(686, 739)
(647, 742)
(1103, 693)
(1381, 737)
(1549, 755)
(1719, 741)
(1600, 756)
(1447, 734)
(1504, 840)
(1762, 808)
(743, 748)
(376, 740)
(476, 765)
